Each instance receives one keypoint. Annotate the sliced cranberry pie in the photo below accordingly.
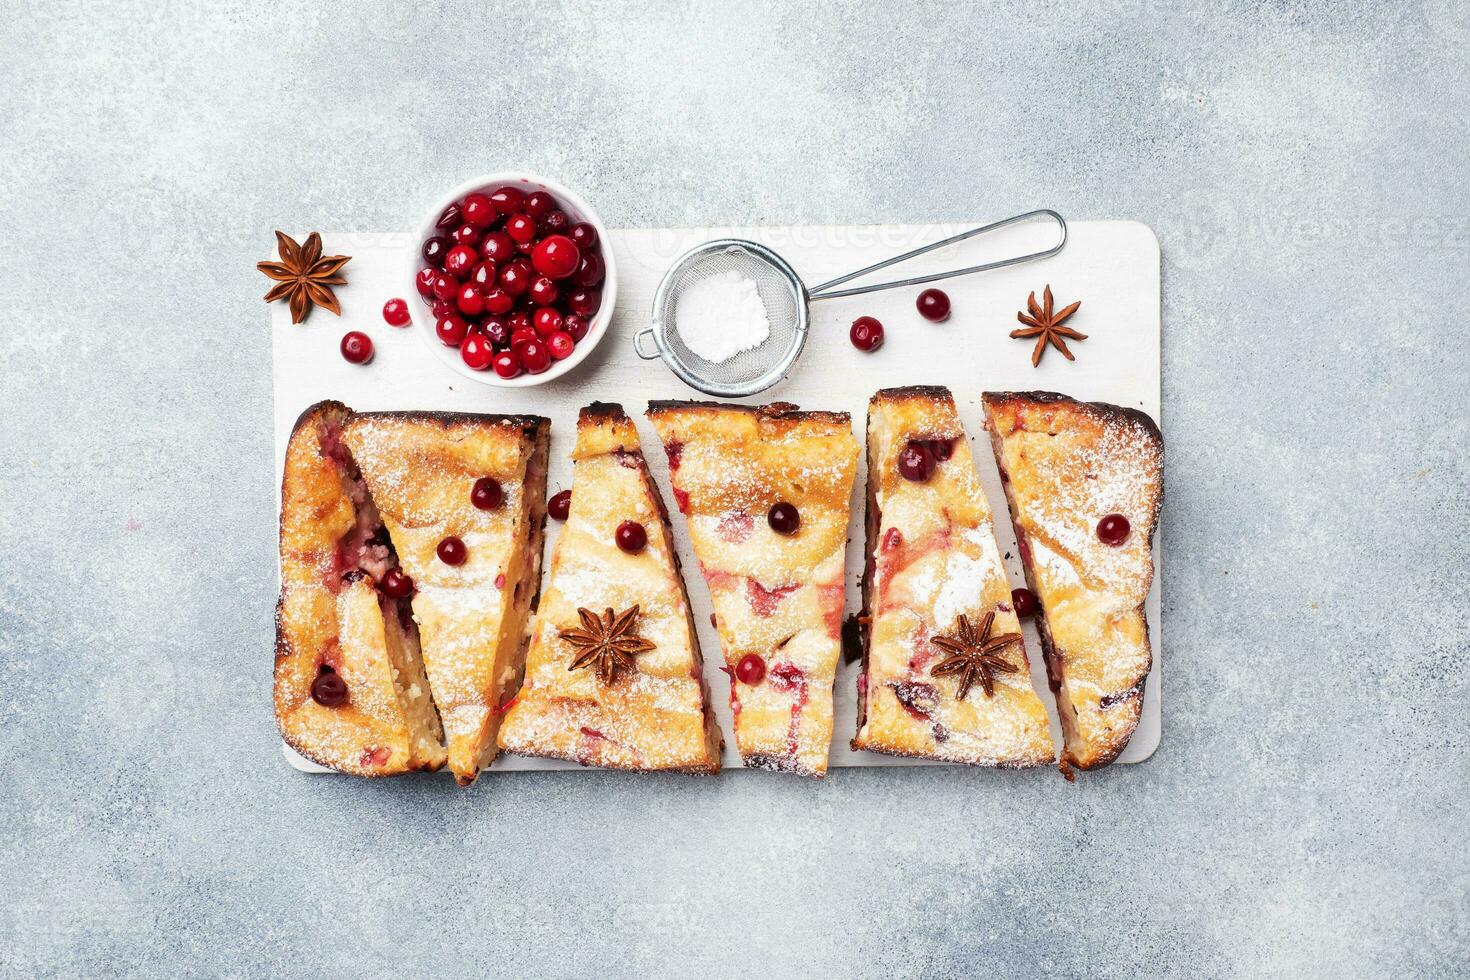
(350, 691)
(613, 675)
(945, 674)
(1085, 482)
(767, 495)
(464, 500)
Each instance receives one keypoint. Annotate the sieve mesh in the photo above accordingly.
(780, 291)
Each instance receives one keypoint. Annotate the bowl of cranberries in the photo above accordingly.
(515, 281)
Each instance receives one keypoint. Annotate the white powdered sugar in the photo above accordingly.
(965, 578)
(721, 316)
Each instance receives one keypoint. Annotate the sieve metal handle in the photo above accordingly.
(638, 345)
(825, 290)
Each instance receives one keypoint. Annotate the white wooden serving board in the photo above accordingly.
(1112, 266)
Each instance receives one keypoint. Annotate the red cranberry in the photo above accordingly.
(452, 329)
(435, 249)
(933, 304)
(486, 493)
(751, 669)
(477, 351)
(583, 234)
(516, 277)
(561, 345)
(506, 364)
(555, 222)
(585, 302)
(357, 347)
(451, 551)
(1112, 529)
(535, 357)
(559, 506)
(590, 271)
(497, 247)
(546, 321)
(1024, 602)
(395, 313)
(507, 200)
(539, 204)
(519, 319)
(445, 286)
(498, 302)
(495, 331)
(329, 689)
(450, 217)
(521, 336)
(575, 324)
(425, 281)
(866, 334)
(395, 584)
(484, 275)
(916, 462)
(521, 228)
(631, 537)
(784, 518)
(479, 210)
(543, 291)
(467, 235)
(556, 256)
(441, 309)
(459, 260)
(470, 301)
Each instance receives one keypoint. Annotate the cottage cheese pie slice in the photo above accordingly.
(945, 674)
(473, 554)
(1085, 482)
(613, 675)
(350, 691)
(766, 492)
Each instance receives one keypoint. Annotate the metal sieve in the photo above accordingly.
(786, 298)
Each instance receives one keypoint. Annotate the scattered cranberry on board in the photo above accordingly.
(866, 334)
(395, 311)
(933, 305)
(559, 506)
(357, 347)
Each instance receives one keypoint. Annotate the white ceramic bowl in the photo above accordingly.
(578, 210)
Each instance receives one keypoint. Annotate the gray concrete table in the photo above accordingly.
(1304, 165)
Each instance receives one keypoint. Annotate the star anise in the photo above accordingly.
(1046, 326)
(606, 644)
(973, 655)
(304, 275)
